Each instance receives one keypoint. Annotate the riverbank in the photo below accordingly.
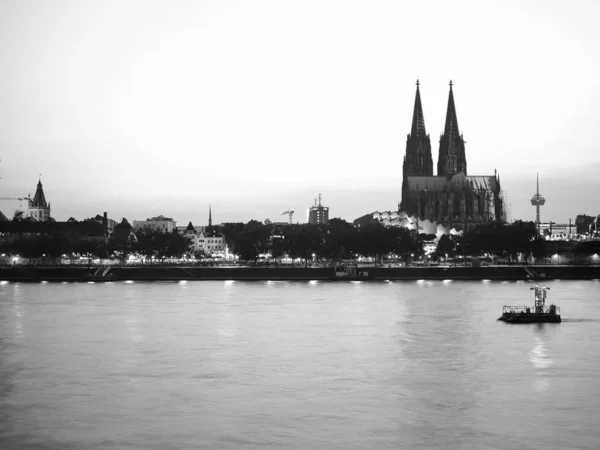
(158, 273)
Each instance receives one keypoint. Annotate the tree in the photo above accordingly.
(339, 240)
(146, 242)
(404, 242)
(171, 245)
(18, 216)
(277, 244)
(252, 241)
(305, 240)
(538, 247)
(445, 246)
(121, 241)
(231, 231)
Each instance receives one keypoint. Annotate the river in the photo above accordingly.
(296, 365)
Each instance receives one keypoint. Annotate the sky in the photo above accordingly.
(141, 108)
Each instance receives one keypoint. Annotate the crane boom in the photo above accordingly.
(290, 213)
(28, 198)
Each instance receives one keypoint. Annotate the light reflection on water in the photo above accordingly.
(278, 364)
(540, 360)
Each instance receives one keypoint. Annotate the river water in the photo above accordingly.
(296, 365)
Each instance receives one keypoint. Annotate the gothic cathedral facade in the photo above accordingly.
(452, 199)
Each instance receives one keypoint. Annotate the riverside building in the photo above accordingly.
(318, 214)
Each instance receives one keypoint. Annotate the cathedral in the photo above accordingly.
(452, 199)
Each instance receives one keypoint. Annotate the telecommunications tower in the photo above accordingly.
(537, 200)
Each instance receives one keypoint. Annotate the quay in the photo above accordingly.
(367, 273)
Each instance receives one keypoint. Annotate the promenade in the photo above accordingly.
(180, 272)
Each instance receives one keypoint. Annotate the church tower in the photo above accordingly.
(417, 159)
(39, 209)
(451, 159)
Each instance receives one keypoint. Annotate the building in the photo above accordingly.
(202, 239)
(198, 228)
(557, 230)
(206, 239)
(584, 223)
(191, 235)
(38, 208)
(212, 243)
(318, 214)
(452, 199)
(107, 224)
(160, 222)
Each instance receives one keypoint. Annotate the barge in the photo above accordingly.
(540, 313)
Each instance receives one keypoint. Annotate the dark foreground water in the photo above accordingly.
(296, 365)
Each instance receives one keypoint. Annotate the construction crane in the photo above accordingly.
(290, 213)
(28, 198)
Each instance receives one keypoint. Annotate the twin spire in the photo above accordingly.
(451, 158)
(418, 122)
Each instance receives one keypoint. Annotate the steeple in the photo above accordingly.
(451, 127)
(209, 215)
(39, 200)
(417, 159)
(418, 122)
(451, 158)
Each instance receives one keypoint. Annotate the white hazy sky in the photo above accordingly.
(142, 108)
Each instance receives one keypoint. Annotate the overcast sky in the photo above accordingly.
(142, 108)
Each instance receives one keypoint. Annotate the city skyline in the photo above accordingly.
(256, 108)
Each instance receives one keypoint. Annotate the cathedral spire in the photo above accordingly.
(418, 122)
(451, 127)
(417, 159)
(451, 157)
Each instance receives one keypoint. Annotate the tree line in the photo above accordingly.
(52, 243)
(336, 241)
(496, 239)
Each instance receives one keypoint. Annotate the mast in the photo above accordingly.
(537, 200)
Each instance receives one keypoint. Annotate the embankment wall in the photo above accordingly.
(149, 273)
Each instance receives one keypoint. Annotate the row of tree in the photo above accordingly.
(335, 241)
(149, 243)
(341, 240)
(338, 240)
(496, 239)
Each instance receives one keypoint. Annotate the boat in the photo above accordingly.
(540, 313)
